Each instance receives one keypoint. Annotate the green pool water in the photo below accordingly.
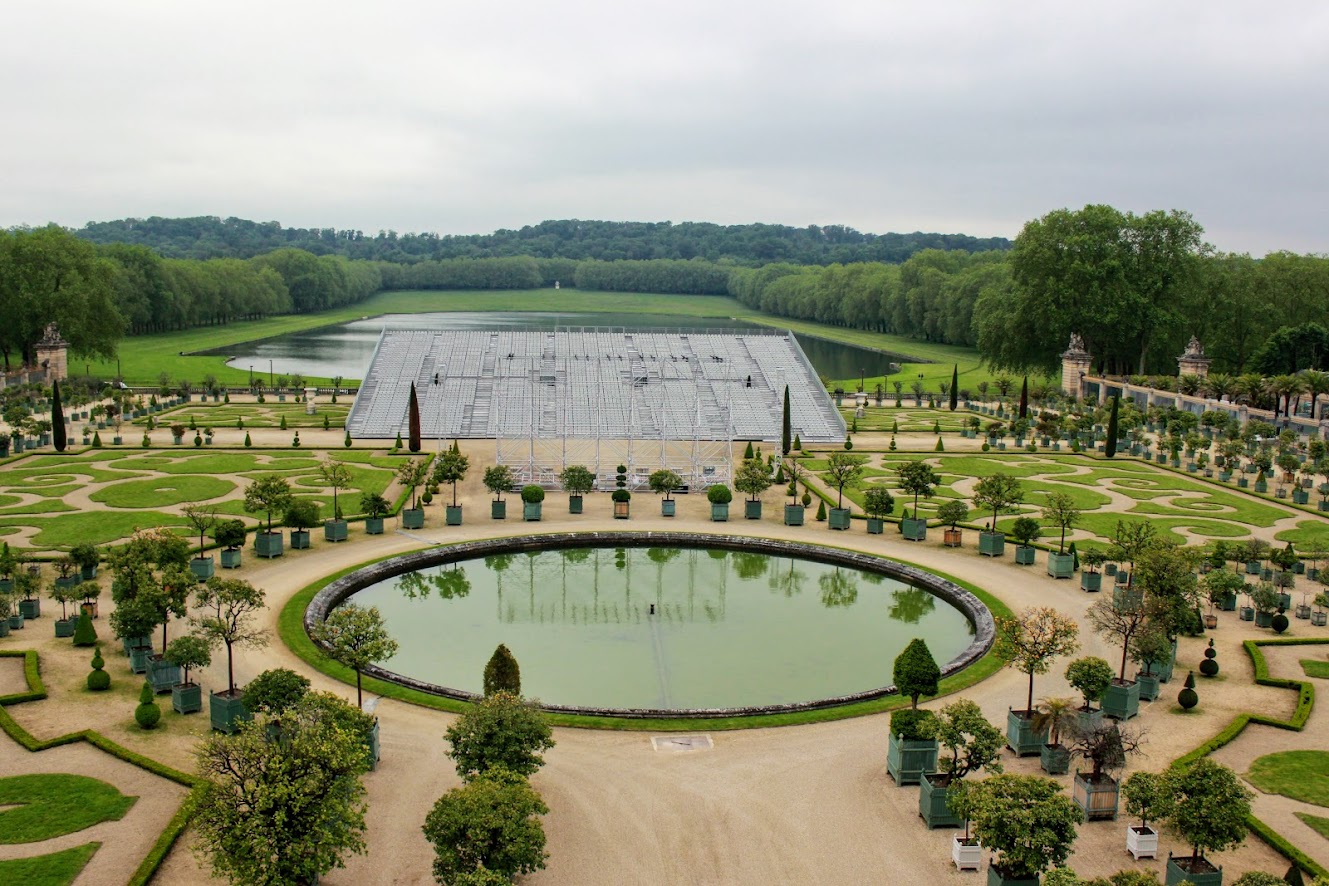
(730, 629)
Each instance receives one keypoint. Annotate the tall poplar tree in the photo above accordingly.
(1110, 444)
(786, 426)
(1024, 399)
(413, 422)
(57, 419)
(955, 386)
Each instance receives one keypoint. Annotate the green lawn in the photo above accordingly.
(1315, 822)
(1310, 535)
(55, 869)
(162, 491)
(1315, 668)
(1301, 775)
(42, 806)
(144, 358)
(253, 415)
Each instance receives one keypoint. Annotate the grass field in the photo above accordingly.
(55, 869)
(41, 806)
(144, 358)
(1315, 668)
(1301, 775)
(1318, 824)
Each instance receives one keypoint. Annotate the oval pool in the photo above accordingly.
(661, 626)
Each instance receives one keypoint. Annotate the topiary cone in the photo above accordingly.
(147, 714)
(85, 634)
(1188, 697)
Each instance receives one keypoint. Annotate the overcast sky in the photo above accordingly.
(439, 116)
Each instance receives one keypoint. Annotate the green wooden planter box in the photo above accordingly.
(16, 621)
(1121, 702)
(1228, 602)
(453, 515)
(876, 526)
(838, 518)
(1243, 482)
(932, 805)
(413, 518)
(6, 585)
(908, 760)
(187, 698)
(992, 544)
(374, 746)
(4, 627)
(793, 515)
(68, 582)
(719, 513)
(498, 510)
(1021, 737)
(1261, 485)
(227, 712)
(30, 608)
(752, 510)
(1088, 720)
(1148, 684)
(1177, 875)
(914, 530)
(203, 568)
(64, 627)
(336, 530)
(575, 503)
(231, 558)
(128, 643)
(1301, 497)
(1024, 555)
(531, 511)
(997, 878)
(162, 675)
(1091, 581)
(268, 544)
(87, 573)
(1055, 760)
(668, 508)
(1246, 613)
(1263, 619)
(299, 539)
(1252, 567)
(138, 659)
(1061, 565)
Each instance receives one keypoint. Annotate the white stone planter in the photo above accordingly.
(968, 857)
(1142, 842)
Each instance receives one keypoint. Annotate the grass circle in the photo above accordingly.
(161, 491)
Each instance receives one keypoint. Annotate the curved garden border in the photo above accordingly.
(970, 606)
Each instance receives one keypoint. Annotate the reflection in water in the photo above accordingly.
(839, 588)
(911, 604)
(726, 629)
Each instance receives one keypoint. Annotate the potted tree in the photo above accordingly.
(973, 744)
(999, 492)
(917, 478)
(9, 563)
(793, 511)
(1024, 530)
(28, 588)
(752, 479)
(1119, 619)
(301, 516)
(411, 475)
(1091, 579)
(663, 483)
(269, 494)
(356, 637)
(451, 467)
(87, 558)
(498, 480)
(951, 513)
(910, 750)
(337, 475)
(843, 469)
(1146, 797)
(88, 592)
(577, 481)
(1150, 648)
(719, 496)
(532, 499)
(375, 508)
(230, 608)
(1264, 598)
(230, 534)
(1056, 717)
(1060, 511)
(6, 612)
(1027, 820)
(621, 496)
(1208, 808)
(1090, 676)
(879, 504)
(64, 594)
(1105, 748)
(201, 519)
(1222, 586)
(187, 653)
(1029, 643)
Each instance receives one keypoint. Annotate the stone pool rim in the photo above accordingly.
(340, 589)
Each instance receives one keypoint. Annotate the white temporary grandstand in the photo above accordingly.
(595, 396)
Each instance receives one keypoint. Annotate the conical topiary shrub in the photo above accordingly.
(1188, 697)
(147, 714)
(747, 453)
(84, 632)
(248, 442)
(940, 447)
(821, 511)
(98, 680)
(1209, 667)
(502, 674)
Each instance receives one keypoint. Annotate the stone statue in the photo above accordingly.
(1077, 344)
(51, 335)
(1194, 348)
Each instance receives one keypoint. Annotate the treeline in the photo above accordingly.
(206, 237)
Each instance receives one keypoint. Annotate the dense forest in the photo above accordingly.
(1136, 288)
(207, 237)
